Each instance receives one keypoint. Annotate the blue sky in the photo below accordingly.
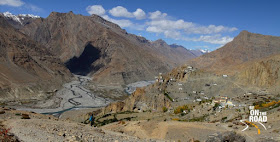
(206, 24)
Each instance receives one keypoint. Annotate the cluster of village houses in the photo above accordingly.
(223, 101)
(159, 78)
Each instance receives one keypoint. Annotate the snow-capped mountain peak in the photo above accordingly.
(29, 15)
(19, 18)
(10, 15)
(204, 50)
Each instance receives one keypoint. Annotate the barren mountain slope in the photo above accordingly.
(175, 54)
(261, 73)
(27, 69)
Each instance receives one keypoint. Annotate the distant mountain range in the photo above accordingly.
(196, 52)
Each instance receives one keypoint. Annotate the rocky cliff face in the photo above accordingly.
(261, 73)
(245, 47)
(140, 100)
(27, 69)
(119, 57)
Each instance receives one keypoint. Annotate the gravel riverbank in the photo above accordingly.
(72, 95)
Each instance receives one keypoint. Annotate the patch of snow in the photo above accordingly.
(20, 17)
(204, 51)
(29, 15)
(14, 17)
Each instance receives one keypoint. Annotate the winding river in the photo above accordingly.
(74, 96)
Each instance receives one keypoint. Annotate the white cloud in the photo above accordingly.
(187, 27)
(172, 34)
(154, 29)
(14, 3)
(19, 3)
(169, 24)
(160, 23)
(120, 11)
(157, 15)
(33, 8)
(180, 29)
(96, 9)
(202, 46)
(122, 23)
(214, 39)
(209, 29)
(139, 14)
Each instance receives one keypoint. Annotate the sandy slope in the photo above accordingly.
(184, 131)
(169, 130)
(46, 128)
(35, 130)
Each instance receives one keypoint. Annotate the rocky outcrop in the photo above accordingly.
(139, 101)
(261, 73)
(227, 137)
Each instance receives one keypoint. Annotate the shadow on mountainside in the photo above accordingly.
(82, 65)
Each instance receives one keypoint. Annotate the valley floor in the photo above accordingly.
(72, 95)
(75, 95)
